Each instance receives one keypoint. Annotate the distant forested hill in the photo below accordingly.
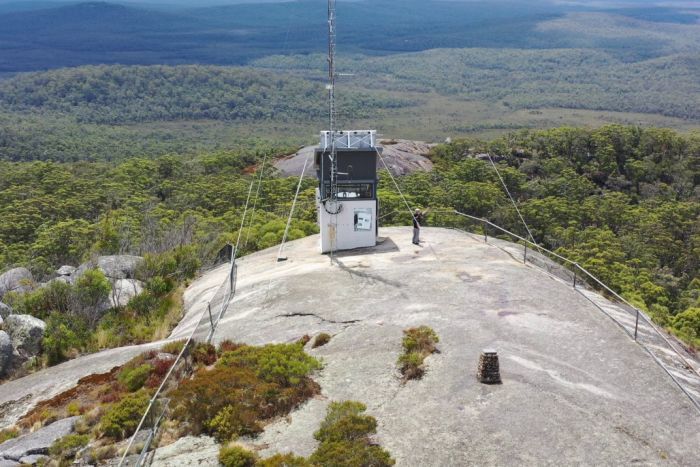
(105, 33)
(530, 79)
(113, 112)
(120, 94)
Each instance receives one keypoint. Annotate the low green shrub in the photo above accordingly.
(204, 354)
(173, 348)
(321, 339)
(133, 378)
(350, 454)
(421, 339)
(246, 387)
(236, 456)
(67, 447)
(144, 303)
(8, 433)
(284, 460)
(283, 364)
(344, 422)
(62, 336)
(159, 286)
(417, 344)
(121, 419)
(233, 421)
(411, 365)
(73, 409)
(688, 323)
(344, 438)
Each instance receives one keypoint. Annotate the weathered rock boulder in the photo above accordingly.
(34, 459)
(37, 442)
(16, 280)
(8, 463)
(26, 333)
(5, 310)
(190, 450)
(5, 351)
(119, 266)
(124, 290)
(66, 270)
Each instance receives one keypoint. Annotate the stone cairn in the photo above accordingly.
(489, 371)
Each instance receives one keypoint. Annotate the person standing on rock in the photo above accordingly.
(418, 219)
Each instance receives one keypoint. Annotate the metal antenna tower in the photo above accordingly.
(331, 100)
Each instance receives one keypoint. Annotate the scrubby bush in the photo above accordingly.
(121, 419)
(67, 447)
(143, 303)
(417, 343)
(173, 348)
(344, 438)
(411, 365)
(228, 346)
(8, 433)
(204, 354)
(178, 264)
(688, 323)
(421, 339)
(158, 286)
(350, 454)
(63, 334)
(90, 291)
(73, 409)
(56, 297)
(284, 460)
(233, 421)
(284, 364)
(162, 366)
(321, 339)
(247, 386)
(133, 378)
(344, 422)
(236, 456)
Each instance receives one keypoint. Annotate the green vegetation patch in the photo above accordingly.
(417, 344)
(67, 447)
(345, 440)
(121, 419)
(247, 387)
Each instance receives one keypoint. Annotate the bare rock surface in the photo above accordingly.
(15, 280)
(26, 333)
(401, 156)
(65, 270)
(119, 266)
(113, 266)
(37, 442)
(190, 450)
(576, 389)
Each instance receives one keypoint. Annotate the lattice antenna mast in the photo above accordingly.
(331, 99)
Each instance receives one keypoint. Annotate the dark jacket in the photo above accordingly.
(417, 220)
